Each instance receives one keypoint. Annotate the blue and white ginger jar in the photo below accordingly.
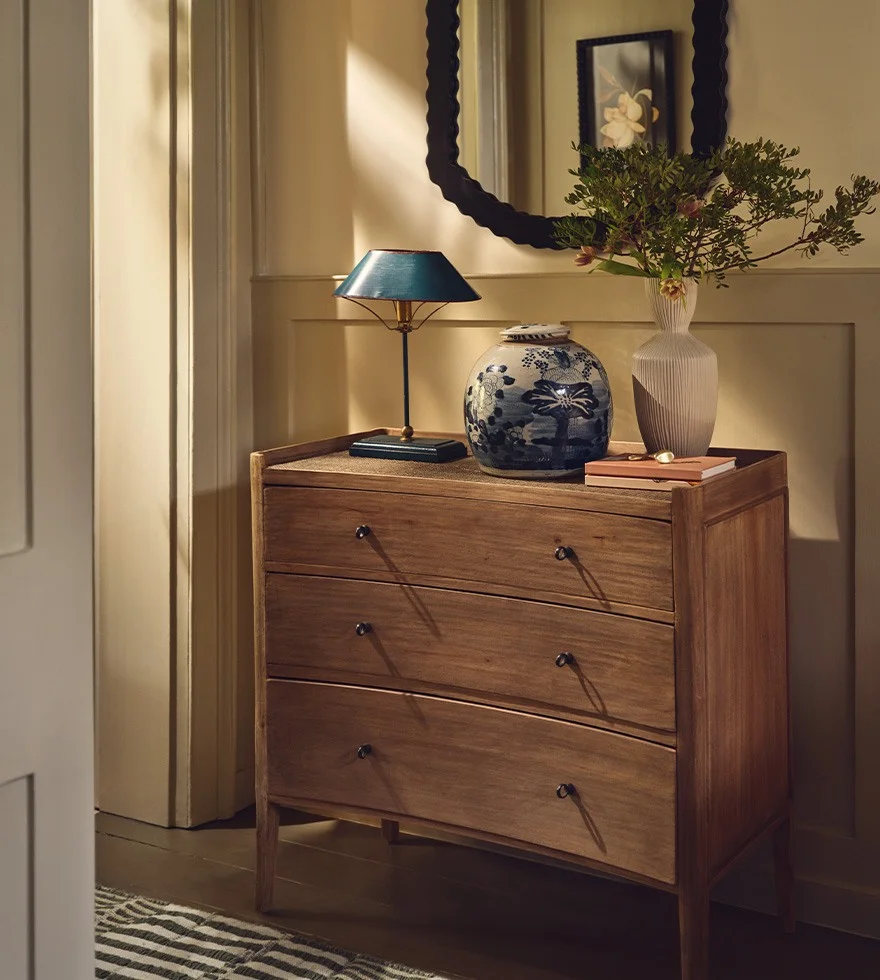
(537, 405)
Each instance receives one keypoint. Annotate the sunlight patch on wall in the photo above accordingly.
(389, 206)
(394, 203)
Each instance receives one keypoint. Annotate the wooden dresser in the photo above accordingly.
(594, 675)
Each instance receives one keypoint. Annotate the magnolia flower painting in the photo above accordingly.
(625, 90)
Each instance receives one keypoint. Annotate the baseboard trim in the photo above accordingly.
(820, 903)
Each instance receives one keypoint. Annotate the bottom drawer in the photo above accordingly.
(476, 768)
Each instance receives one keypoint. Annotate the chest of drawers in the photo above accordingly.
(593, 675)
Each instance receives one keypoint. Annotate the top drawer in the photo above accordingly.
(447, 540)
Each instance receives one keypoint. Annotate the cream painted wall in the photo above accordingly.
(319, 368)
(345, 169)
(133, 408)
(305, 105)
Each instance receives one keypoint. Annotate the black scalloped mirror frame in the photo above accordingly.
(709, 117)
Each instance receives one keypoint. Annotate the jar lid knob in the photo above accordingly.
(536, 331)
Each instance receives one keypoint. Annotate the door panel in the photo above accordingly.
(13, 279)
(46, 721)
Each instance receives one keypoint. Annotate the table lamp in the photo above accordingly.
(406, 277)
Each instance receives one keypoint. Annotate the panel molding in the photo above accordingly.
(17, 878)
(229, 405)
(839, 875)
(843, 297)
(14, 280)
(257, 88)
(183, 393)
(212, 415)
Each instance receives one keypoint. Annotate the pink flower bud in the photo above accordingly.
(586, 255)
(672, 288)
(691, 207)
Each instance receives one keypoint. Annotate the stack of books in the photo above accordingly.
(649, 474)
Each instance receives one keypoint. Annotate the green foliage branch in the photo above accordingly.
(645, 212)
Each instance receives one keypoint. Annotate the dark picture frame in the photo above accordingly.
(708, 113)
(626, 90)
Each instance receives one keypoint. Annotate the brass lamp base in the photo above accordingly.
(418, 449)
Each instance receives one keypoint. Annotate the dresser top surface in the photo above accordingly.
(457, 471)
(328, 464)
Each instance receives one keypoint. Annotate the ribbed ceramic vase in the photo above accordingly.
(675, 378)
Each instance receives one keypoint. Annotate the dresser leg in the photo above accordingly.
(784, 876)
(693, 927)
(390, 831)
(267, 848)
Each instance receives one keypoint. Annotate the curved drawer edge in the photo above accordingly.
(651, 613)
(466, 834)
(615, 726)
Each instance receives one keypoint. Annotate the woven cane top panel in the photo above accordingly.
(459, 470)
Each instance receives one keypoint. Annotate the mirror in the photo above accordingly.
(512, 83)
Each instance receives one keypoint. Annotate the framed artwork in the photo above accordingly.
(626, 91)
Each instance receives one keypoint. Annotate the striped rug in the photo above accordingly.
(141, 939)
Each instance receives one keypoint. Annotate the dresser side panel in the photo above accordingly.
(690, 689)
(259, 585)
(746, 675)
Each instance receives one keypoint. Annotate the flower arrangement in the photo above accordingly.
(673, 217)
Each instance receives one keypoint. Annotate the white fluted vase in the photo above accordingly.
(675, 378)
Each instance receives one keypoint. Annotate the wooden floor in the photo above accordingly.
(457, 910)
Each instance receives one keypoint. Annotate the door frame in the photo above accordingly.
(171, 500)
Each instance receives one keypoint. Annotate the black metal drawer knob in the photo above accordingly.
(361, 531)
(565, 789)
(363, 628)
(562, 553)
(564, 659)
(364, 750)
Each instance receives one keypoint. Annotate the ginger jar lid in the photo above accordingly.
(531, 332)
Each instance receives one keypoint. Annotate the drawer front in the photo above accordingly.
(476, 768)
(493, 545)
(622, 668)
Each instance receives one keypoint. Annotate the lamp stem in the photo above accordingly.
(406, 433)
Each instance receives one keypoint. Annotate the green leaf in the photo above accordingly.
(621, 269)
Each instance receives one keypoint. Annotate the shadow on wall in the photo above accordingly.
(302, 379)
(822, 684)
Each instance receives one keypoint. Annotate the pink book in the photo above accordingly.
(690, 468)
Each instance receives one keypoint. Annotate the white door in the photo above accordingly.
(46, 794)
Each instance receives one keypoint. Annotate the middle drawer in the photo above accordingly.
(568, 661)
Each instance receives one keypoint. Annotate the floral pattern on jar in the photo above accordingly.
(537, 405)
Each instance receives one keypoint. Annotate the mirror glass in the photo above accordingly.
(533, 80)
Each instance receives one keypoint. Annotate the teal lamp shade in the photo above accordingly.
(406, 277)
(397, 274)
